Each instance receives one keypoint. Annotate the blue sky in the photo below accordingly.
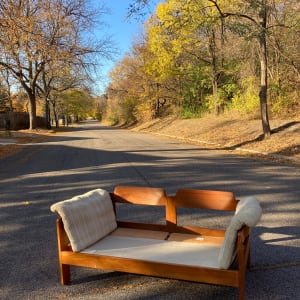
(122, 31)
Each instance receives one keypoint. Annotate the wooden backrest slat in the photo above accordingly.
(217, 200)
(139, 195)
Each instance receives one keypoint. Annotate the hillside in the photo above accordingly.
(233, 133)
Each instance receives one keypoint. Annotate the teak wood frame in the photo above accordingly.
(154, 196)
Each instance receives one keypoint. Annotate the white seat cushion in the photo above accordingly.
(87, 218)
(183, 253)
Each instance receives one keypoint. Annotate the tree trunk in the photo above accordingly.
(214, 68)
(32, 112)
(8, 87)
(215, 93)
(55, 113)
(32, 103)
(47, 113)
(264, 73)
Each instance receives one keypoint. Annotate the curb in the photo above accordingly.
(195, 141)
(8, 141)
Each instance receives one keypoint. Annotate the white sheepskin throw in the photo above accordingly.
(248, 212)
(87, 218)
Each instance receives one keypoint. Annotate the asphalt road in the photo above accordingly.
(91, 156)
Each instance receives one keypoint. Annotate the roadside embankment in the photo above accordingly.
(232, 133)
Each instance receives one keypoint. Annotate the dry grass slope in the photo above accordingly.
(231, 132)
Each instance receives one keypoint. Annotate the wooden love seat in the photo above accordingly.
(89, 234)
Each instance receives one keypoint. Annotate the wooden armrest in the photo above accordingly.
(243, 247)
(62, 238)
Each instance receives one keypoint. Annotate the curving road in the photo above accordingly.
(92, 156)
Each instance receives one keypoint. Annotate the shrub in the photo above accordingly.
(247, 99)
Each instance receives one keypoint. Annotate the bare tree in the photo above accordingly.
(35, 34)
(56, 79)
(6, 83)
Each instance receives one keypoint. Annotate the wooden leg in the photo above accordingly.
(65, 274)
(242, 293)
(242, 277)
